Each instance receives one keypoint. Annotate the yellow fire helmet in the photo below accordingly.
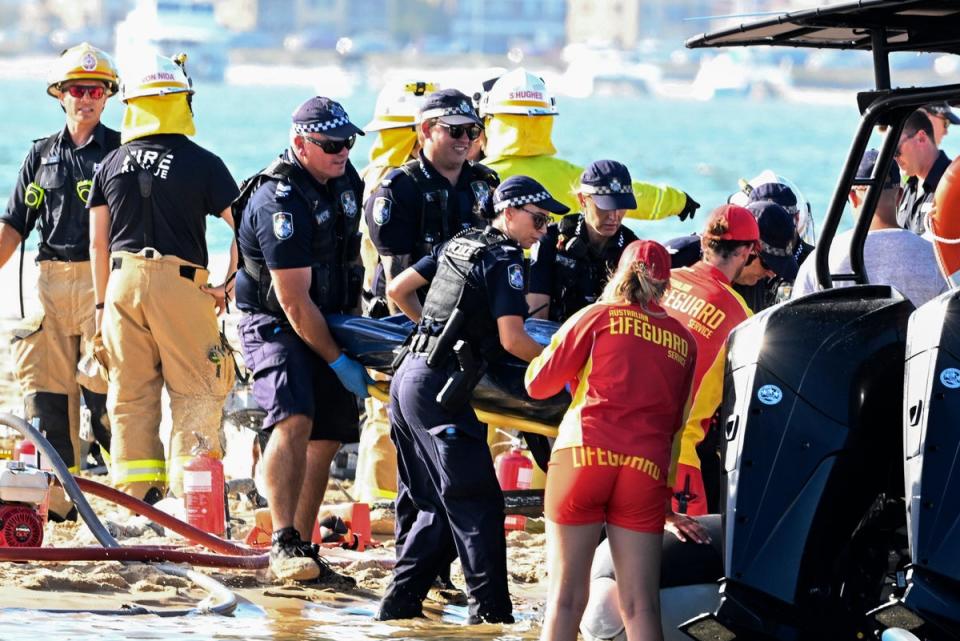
(83, 62)
(155, 75)
(518, 92)
(399, 104)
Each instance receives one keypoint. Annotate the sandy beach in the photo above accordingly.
(108, 584)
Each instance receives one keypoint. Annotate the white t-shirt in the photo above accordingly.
(895, 257)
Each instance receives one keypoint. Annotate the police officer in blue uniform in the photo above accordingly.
(570, 266)
(299, 245)
(473, 314)
(427, 200)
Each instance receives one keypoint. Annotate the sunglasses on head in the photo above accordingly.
(456, 131)
(539, 220)
(333, 146)
(94, 91)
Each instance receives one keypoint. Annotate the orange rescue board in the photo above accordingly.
(944, 223)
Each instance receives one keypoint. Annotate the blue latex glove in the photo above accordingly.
(352, 374)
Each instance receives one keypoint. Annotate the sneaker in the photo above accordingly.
(287, 564)
(289, 561)
(327, 577)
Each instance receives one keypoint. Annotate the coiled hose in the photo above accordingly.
(220, 599)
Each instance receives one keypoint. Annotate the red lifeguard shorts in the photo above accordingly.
(594, 485)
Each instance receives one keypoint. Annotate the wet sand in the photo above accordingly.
(267, 611)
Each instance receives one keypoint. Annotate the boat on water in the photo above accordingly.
(168, 27)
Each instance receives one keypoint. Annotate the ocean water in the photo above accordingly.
(702, 148)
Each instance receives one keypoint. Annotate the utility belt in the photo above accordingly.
(63, 254)
(156, 259)
(466, 370)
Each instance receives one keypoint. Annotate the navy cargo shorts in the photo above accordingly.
(290, 378)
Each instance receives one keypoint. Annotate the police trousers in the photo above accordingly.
(447, 483)
(160, 328)
(47, 348)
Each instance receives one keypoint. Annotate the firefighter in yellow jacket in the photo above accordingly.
(158, 317)
(518, 114)
(51, 194)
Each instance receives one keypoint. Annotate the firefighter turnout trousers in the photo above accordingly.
(47, 348)
(160, 328)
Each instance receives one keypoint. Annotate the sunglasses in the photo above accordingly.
(333, 146)
(95, 92)
(899, 150)
(539, 220)
(456, 131)
(755, 256)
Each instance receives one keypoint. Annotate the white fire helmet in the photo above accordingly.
(399, 103)
(802, 210)
(155, 75)
(518, 92)
(82, 62)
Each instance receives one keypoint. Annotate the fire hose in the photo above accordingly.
(220, 599)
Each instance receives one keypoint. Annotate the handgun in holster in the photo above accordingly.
(458, 388)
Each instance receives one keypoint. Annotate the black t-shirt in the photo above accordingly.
(63, 171)
(189, 183)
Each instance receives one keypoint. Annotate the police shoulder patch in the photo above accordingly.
(515, 276)
(282, 191)
(349, 203)
(282, 225)
(381, 210)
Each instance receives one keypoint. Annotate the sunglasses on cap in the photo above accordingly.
(333, 146)
(456, 131)
(95, 92)
(539, 220)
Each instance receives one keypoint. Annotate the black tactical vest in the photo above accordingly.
(581, 272)
(438, 220)
(451, 289)
(336, 278)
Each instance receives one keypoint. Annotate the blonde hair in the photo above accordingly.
(634, 285)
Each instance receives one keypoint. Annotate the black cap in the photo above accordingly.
(610, 185)
(451, 106)
(778, 237)
(324, 116)
(775, 192)
(942, 109)
(517, 191)
(867, 163)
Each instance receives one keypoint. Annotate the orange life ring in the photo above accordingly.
(943, 222)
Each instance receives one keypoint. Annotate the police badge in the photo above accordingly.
(323, 216)
(481, 191)
(381, 210)
(515, 276)
(349, 203)
(282, 225)
(614, 185)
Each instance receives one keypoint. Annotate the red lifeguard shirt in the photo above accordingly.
(630, 369)
(701, 298)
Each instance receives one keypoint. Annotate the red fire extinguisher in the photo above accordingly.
(203, 488)
(514, 472)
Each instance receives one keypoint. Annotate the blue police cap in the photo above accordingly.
(517, 191)
(324, 116)
(451, 106)
(778, 237)
(610, 185)
(867, 163)
(775, 192)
